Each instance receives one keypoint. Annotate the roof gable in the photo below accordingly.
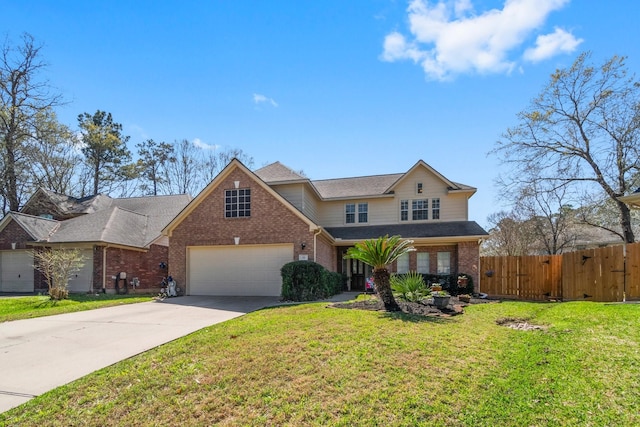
(278, 173)
(452, 186)
(206, 192)
(37, 227)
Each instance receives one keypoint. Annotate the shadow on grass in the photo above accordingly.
(414, 318)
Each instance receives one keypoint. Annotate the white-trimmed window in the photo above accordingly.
(350, 213)
(237, 203)
(435, 208)
(363, 212)
(403, 264)
(422, 262)
(404, 210)
(444, 262)
(419, 209)
(419, 188)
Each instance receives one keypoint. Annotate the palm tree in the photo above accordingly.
(379, 253)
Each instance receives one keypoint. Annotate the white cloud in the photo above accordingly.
(549, 45)
(197, 142)
(260, 99)
(449, 38)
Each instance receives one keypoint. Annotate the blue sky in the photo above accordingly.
(335, 88)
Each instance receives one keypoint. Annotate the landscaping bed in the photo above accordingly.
(424, 308)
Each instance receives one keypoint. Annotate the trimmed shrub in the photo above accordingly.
(309, 281)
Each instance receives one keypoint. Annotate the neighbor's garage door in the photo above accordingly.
(237, 270)
(16, 271)
(81, 280)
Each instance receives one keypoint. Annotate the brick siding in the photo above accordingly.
(271, 222)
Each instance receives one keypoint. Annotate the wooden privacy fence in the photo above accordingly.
(603, 274)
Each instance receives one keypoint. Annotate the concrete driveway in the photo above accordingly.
(38, 355)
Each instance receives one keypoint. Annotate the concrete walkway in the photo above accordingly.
(38, 355)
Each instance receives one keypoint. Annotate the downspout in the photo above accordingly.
(315, 241)
(104, 269)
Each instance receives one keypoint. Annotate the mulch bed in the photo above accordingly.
(424, 308)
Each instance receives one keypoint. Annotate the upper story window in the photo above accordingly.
(350, 213)
(419, 209)
(435, 208)
(237, 203)
(363, 212)
(404, 210)
(419, 188)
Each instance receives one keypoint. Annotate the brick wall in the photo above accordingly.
(468, 260)
(13, 233)
(433, 258)
(326, 254)
(143, 265)
(270, 222)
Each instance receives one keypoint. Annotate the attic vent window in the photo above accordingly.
(419, 188)
(237, 203)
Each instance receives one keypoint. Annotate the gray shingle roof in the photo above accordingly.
(113, 225)
(409, 231)
(135, 221)
(355, 187)
(277, 172)
(39, 228)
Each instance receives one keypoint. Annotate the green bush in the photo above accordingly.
(409, 287)
(309, 281)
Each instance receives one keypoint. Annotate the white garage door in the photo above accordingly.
(81, 281)
(16, 271)
(237, 270)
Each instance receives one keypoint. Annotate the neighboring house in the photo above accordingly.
(115, 235)
(233, 238)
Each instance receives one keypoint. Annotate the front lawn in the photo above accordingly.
(15, 308)
(311, 365)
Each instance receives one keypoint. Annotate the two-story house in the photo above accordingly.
(233, 238)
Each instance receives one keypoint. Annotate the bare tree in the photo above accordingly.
(182, 172)
(57, 266)
(552, 219)
(53, 157)
(509, 235)
(215, 160)
(23, 96)
(581, 132)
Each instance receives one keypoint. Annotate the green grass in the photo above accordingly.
(15, 308)
(310, 365)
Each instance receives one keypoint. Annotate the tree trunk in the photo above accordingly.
(625, 222)
(383, 287)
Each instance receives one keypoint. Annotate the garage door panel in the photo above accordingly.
(81, 280)
(16, 271)
(237, 270)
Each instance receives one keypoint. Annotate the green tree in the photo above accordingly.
(153, 161)
(24, 96)
(379, 253)
(580, 132)
(105, 150)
